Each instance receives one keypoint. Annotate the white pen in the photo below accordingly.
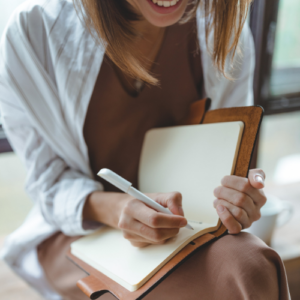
(126, 187)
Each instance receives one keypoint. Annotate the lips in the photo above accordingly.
(164, 7)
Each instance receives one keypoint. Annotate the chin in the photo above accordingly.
(161, 13)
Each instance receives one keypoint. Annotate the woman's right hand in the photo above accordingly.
(143, 226)
(140, 224)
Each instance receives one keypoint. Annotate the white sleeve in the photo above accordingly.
(59, 189)
(236, 92)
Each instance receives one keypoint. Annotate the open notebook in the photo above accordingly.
(189, 159)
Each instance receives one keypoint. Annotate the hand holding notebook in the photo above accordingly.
(110, 261)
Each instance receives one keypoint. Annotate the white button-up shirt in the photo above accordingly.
(48, 68)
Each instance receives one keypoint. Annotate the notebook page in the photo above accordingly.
(108, 252)
(192, 160)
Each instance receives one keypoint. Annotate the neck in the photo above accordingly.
(150, 42)
(147, 30)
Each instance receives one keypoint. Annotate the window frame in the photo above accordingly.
(4, 144)
(263, 23)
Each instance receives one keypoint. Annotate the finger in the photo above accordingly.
(139, 244)
(242, 185)
(233, 226)
(261, 200)
(238, 213)
(151, 234)
(257, 178)
(150, 217)
(171, 200)
(139, 239)
(236, 198)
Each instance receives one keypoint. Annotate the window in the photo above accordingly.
(275, 25)
(285, 77)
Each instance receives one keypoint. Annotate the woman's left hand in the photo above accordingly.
(239, 200)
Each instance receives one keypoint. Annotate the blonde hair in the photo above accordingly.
(110, 21)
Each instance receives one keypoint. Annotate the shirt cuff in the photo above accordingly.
(71, 220)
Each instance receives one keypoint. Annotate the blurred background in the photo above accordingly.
(276, 29)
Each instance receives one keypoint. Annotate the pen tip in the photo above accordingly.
(188, 226)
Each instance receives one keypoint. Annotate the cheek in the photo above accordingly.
(160, 17)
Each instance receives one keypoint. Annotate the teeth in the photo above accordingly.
(165, 3)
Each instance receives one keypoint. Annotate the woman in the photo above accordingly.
(78, 96)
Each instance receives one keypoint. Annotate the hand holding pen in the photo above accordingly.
(142, 225)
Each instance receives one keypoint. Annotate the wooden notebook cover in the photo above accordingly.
(96, 284)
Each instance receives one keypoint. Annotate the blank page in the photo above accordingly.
(191, 160)
(108, 252)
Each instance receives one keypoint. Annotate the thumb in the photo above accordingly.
(173, 201)
(257, 178)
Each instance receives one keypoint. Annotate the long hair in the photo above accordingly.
(111, 23)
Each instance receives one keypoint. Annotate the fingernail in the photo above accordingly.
(215, 202)
(183, 223)
(215, 191)
(220, 208)
(259, 178)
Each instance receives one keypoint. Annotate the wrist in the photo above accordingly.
(88, 212)
(105, 207)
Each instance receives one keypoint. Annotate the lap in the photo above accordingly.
(232, 267)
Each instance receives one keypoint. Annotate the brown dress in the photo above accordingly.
(119, 121)
(233, 267)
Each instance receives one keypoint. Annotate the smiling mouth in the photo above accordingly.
(165, 3)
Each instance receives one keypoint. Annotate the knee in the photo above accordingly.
(247, 253)
(249, 264)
